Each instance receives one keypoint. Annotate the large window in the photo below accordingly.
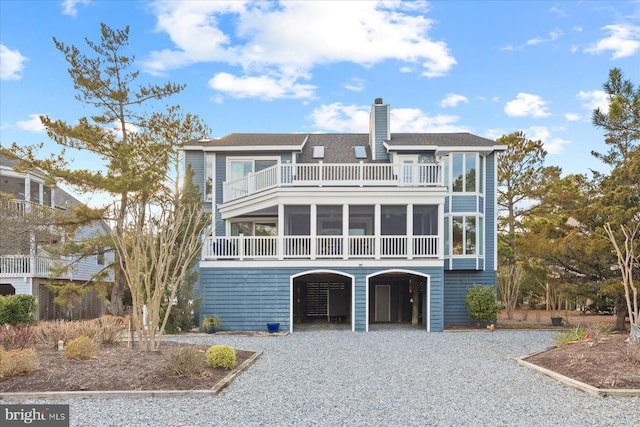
(361, 220)
(254, 228)
(239, 168)
(208, 177)
(329, 220)
(393, 221)
(464, 173)
(425, 220)
(467, 236)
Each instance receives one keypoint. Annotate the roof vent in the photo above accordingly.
(378, 101)
(318, 152)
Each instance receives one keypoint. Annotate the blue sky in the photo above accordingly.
(489, 68)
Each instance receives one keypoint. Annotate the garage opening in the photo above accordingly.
(7, 289)
(322, 300)
(397, 299)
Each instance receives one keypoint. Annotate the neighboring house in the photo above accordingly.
(24, 261)
(353, 228)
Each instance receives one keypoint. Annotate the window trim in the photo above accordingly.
(479, 236)
(252, 159)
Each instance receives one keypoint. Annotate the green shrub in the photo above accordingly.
(221, 356)
(563, 338)
(17, 362)
(481, 303)
(81, 348)
(187, 362)
(17, 309)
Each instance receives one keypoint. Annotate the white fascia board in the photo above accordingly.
(331, 196)
(409, 147)
(332, 263)
(468, 148)
(252, 148)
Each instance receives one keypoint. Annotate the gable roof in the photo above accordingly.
(339, 147)
(439, 141)
(250, 141)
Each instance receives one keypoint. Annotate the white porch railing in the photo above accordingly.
(335, 174)
(28, 266)
(319, 247)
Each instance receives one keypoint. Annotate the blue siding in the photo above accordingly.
(249, 298)
(196, 160)
(490, 216)
(381, 126)
(455, 291)
(464, 203)
(221, 177)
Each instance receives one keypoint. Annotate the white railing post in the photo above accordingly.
(241, 246)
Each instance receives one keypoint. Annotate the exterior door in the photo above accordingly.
(383, 303)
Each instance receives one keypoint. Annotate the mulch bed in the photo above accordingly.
(115, 367)
(603, 366)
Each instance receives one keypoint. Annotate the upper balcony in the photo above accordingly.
(335, 175)
(30, 266)
(320, 247)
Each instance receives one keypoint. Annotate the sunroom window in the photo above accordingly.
(467, 236)
(464, 172)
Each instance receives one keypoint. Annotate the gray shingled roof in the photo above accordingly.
(295, 140)
(338, 148)
(439, 140)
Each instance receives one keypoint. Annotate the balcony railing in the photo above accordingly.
(29, 266)
(333, 175)
(320, 247)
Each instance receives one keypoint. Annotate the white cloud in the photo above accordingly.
(553, 35)
(11, 63)
(264, 87)
(337, 117)
(355, 84)
(526, 105)
(453, 99)
(291, 38)
(572, 117)
(32, 125)
(69, 7)
(553, 145)
(595, 99)
(495, 133)
(624, 41)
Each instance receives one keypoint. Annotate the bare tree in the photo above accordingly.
(510, 278)
(156, 256)
(627, 261)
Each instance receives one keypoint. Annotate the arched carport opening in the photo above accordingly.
(7, 289)
(322, 297)
(398, 297)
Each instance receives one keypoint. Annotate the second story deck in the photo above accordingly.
(321, 247)
(335, 175)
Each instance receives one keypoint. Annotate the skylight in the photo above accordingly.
(318, 152)
(361, 153)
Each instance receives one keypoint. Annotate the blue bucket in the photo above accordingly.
(273, 327)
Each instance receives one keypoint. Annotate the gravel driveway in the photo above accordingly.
(399, 377)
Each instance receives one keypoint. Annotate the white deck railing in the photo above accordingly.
(319, 247)
(331, 175)
(28, 266)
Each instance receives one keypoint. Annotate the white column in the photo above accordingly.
(40, 194)
(377, 220)
(313, 227)
(441, 225)
(280, 231)
(27, 188)
(410, 231)
(345, 231)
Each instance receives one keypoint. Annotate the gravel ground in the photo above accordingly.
(399, 377)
